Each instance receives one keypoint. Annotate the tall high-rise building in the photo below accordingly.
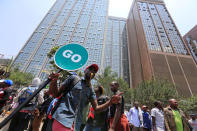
(68, 21)
(191, 39)
(156, 48)
(115, 43)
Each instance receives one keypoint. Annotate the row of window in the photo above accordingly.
(150, 29)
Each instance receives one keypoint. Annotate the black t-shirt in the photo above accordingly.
(113, 108)
(100, 117)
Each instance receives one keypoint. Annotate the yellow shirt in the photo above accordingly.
(178, 120)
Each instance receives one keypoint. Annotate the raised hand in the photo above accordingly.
(116, 98)
(54, 76)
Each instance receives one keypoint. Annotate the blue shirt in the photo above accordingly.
(73, 103)
(146, 120)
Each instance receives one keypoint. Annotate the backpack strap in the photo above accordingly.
(74, 82)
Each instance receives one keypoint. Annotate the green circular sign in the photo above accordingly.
(71, 57)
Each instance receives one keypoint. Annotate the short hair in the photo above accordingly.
(135, 102)
(115, 83)
(156, 103)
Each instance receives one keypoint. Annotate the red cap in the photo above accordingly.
(95, 66)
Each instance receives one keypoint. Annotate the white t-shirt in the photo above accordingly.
(159, 118)
(193, 124)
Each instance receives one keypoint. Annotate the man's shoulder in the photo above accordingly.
(190, 120)
(71, 80)
(167, 109)
(132, 108)
(73, 77)
(154, 109)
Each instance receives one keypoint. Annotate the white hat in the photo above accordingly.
(36, 81)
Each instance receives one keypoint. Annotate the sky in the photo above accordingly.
(19, 18)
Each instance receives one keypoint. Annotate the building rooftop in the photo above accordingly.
(192, 33)
(160, 1)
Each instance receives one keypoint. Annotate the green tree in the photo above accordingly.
(149, 91)
(50, 56)
(189, 105)
(20, 78)
(107, 77)
(5, 68)
(124, 87)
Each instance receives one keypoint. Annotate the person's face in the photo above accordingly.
(136, 104)
(160, 105)
(193, 117)
(143, 108)
(96, 89)
(146, 109)
(174, 103)
(90, 73)
(114, 87)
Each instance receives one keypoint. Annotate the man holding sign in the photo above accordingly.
(70, 110)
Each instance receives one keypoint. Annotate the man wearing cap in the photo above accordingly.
(70, 110)
(146, 119)
(4, 92)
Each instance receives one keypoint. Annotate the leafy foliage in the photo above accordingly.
(20, 78)
(52, 51)
(105, 79)
(150, 91)
(189, 105)
(5, 68)
(124, 87)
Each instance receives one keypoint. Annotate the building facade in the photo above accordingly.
(156, 48)
(191, 39)
(68, 21)
(115, 52)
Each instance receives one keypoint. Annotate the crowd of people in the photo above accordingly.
(76, 106)
(158, 118)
